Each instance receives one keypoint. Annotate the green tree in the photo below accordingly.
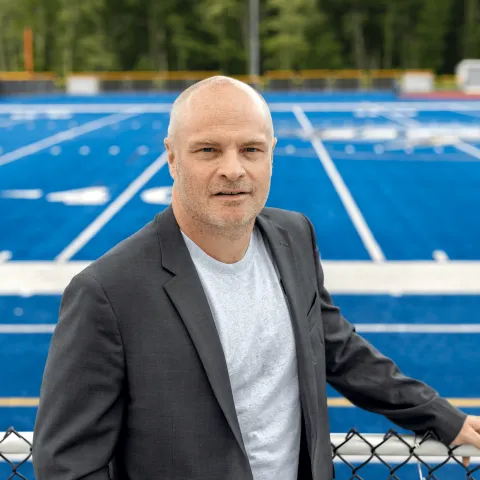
(13, 18)
(471, 40)
(285, 32)
(431, 32)
(213, 34)
(389, 19)
(359, 26)
(325, 50)
(225, 22)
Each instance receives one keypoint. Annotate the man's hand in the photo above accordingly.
(469, 435)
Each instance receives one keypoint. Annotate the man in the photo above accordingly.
(200, 347)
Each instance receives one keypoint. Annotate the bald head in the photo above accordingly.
(218, 93)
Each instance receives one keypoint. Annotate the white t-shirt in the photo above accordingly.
(254, 326)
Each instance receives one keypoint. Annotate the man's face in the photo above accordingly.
(221, 157)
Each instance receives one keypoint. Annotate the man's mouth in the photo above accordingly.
(231, 193)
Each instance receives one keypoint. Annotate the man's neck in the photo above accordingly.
(224, 245)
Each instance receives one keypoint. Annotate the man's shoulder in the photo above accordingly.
(290, 220)
(129, 256)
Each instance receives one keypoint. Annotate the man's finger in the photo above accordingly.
(466, 461)
(474, 439)
(475, 423)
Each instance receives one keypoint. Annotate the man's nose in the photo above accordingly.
(232, 166)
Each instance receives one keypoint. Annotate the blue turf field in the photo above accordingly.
(419, 197)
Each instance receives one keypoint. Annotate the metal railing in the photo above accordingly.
(352, 451)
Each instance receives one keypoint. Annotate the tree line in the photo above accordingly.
(111, 35)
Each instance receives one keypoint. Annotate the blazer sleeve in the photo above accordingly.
(79, 416)
(373, 382)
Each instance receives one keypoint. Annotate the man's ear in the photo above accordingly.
(171, 157)
(273, 147)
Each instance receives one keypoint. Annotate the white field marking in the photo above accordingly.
(5, 256)
(343, 192)
(274, 107)
(63, 136)
(32, 194)
(81, 196)
(440, 256)
(471, 113)
(400, 459)
(85, 108)
(408, 122)
(417, 328)
(468, 149)
(23, 328)
(11, 123)
(89, 232)
(434, 328)
(397, 278)
(401, 120)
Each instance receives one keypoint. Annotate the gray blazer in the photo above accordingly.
(136, 385)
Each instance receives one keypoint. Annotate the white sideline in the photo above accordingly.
(280, 107)
(466, 328)
(89, 232)
(341, 188)
(63, 136)
(434, 328)
(341, 277)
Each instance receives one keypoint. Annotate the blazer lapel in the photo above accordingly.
(186, 292)
(280, 245)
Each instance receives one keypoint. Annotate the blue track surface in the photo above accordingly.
(416, 199)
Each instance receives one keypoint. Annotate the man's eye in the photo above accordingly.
(252, 149)
(207, 149)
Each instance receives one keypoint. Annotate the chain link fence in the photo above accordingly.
(15, 450)
(353, 454)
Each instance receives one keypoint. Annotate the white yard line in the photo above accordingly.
(468, 149)
(63, 136)
(343, 192)
(78, 243)
(395, 278)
